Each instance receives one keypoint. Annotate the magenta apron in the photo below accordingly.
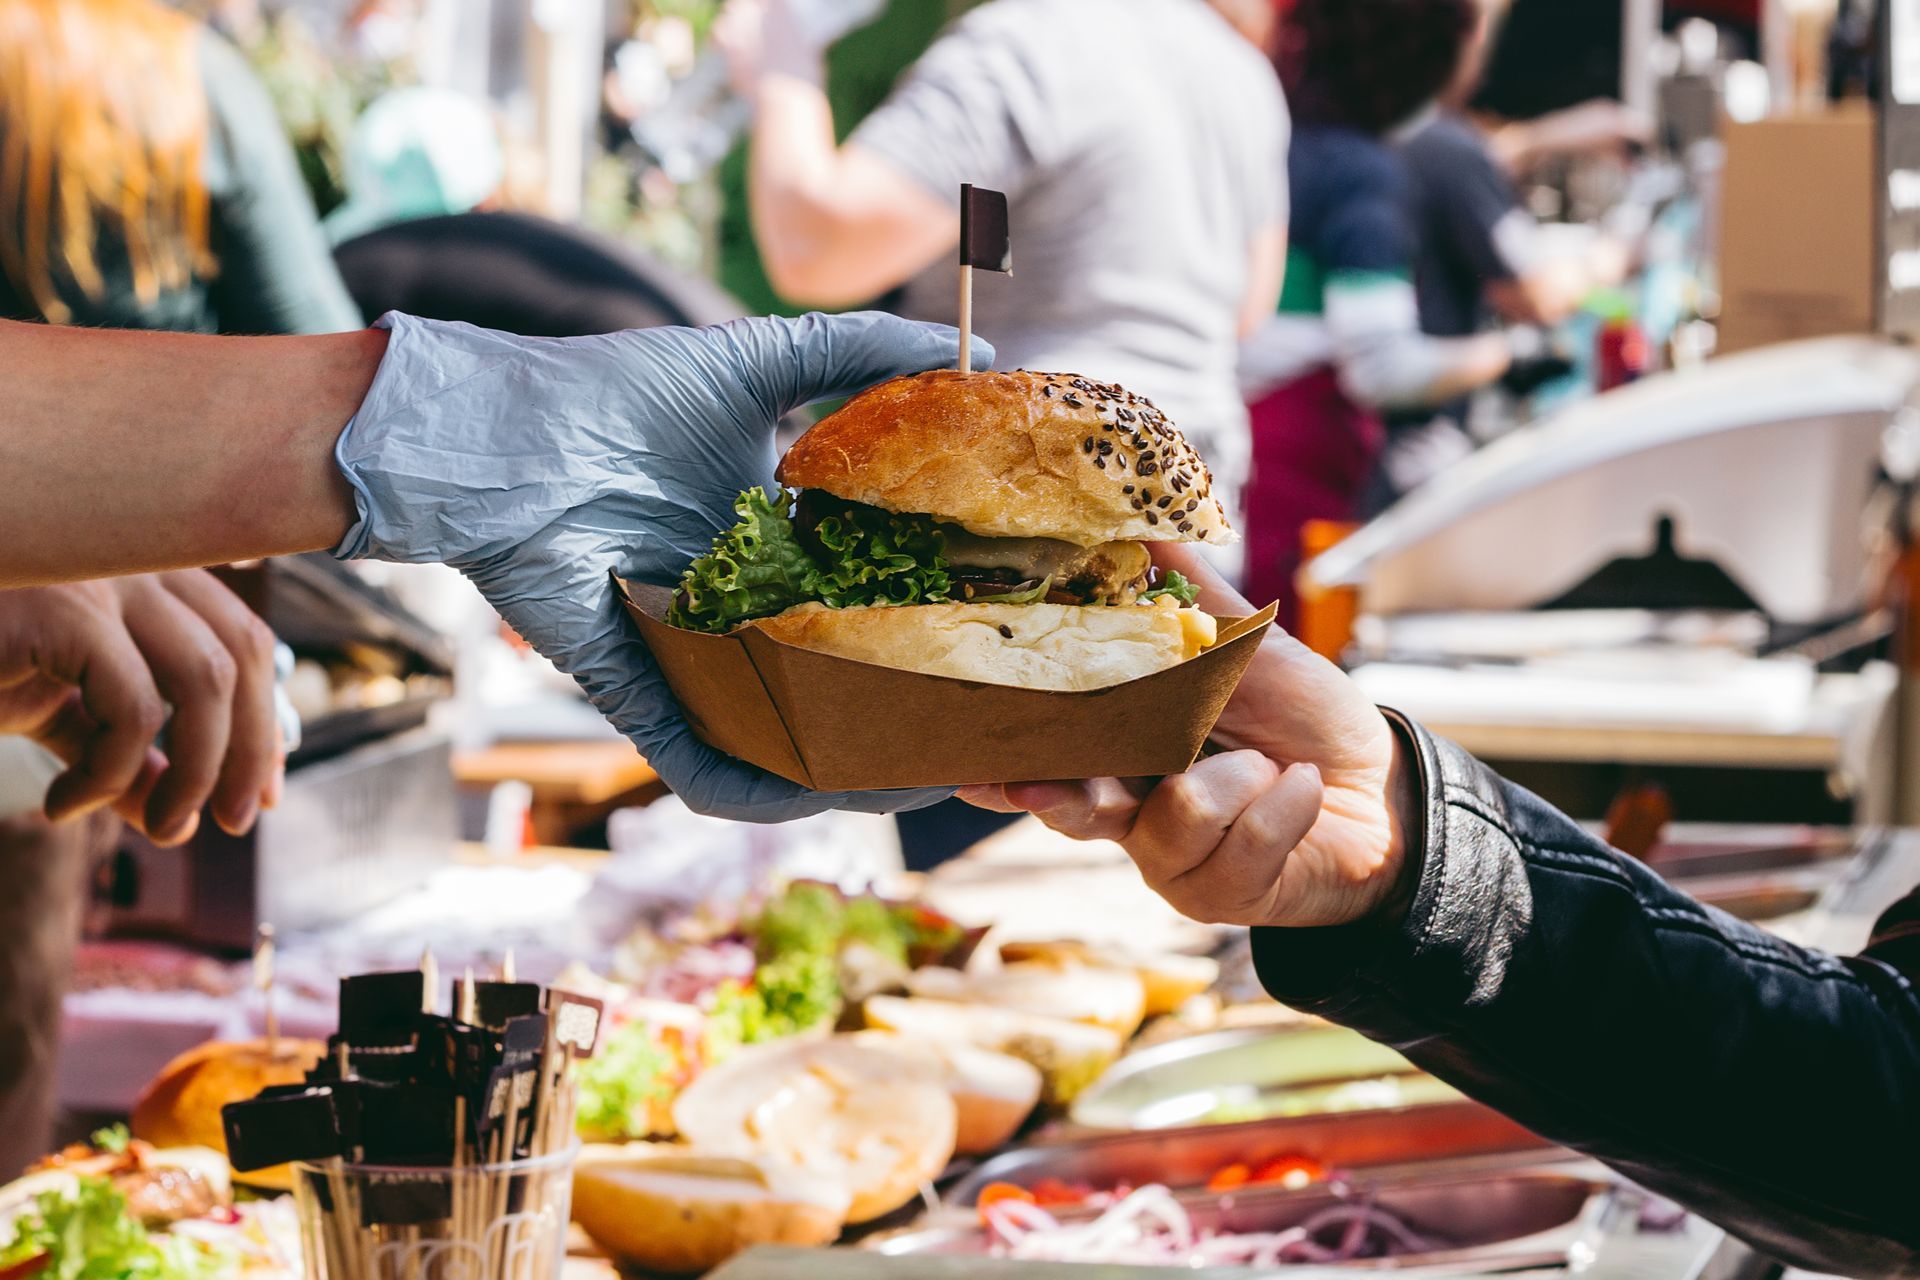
(1313, 453)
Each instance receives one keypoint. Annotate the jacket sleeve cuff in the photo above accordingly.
(1471, 902)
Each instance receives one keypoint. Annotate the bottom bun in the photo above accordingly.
(1071, 648)
(993, 1093)
(679, 1211)
(1170, 979)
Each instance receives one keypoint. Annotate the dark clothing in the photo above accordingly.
(1552, 54)
(1351, 207)
(1772, 1089)
(520, 274)
(1313, 450)
(275, 274)
(1350, 252)
(1460, 195)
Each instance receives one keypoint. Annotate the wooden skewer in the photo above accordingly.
(966, 318)
(263, 983)
(429, 981)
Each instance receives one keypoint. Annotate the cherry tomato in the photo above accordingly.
(1227, 1179)
(1051, 1193)
(999, 1193)
(1291, 1172)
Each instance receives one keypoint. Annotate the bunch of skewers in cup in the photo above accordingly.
(442, 1143)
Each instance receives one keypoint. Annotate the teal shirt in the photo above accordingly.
(276, 272)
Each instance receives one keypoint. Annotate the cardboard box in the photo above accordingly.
(837, 725)
(1797, 218)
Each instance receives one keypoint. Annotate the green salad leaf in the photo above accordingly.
(805, 917)
(877, 557)
(1174, 586)
(1032, 595)
(114, 1138)
(756, 569)
(86, 1233)
(759, 567)
(618, 1082)
(788, 995)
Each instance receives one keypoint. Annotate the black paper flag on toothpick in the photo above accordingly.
(985, 241)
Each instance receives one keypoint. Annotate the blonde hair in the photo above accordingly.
(103, 128)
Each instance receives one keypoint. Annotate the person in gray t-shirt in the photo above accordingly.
(1142, 145)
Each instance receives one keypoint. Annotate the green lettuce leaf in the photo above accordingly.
(1175, 587)
(86, 1233)
(1033, 595)
(875, 557)
(756, 569)
(618, 1082)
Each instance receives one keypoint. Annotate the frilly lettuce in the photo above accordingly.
(1174, 586)
(756, 569)
(759, 568)
(877, 557)
(87, 1233)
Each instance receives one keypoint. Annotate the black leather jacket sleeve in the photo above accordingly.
(1772, 1089)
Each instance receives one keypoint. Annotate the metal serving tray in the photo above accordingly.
(1184, 1159)
(1499, 1222)
(1177, 1083)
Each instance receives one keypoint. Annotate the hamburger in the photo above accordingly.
(180, 1107)
(988, 526)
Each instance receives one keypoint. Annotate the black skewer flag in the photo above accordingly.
(986, 242)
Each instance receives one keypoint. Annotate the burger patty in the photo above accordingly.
(1111, 573)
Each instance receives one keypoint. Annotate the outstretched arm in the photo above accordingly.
(1397, 886)
(130, 452)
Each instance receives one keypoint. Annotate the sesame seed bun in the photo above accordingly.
(1014, 455)
(1030, 646)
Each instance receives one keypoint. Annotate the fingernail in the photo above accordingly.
(242, 819)
(1310, 769)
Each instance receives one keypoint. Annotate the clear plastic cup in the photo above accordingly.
(465, 1222)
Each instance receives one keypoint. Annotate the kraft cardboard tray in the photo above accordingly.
(834, 724)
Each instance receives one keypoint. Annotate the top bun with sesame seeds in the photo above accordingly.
(1014, 456)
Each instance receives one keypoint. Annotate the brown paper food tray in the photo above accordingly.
(834, 724)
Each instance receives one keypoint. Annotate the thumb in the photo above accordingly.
(786, 363)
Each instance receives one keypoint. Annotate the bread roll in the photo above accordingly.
(180, 1107)
(1070, 648)
(1015, 455)
(831, 1109)
(1070, 1055)
(680, 1211)
(994, 1093)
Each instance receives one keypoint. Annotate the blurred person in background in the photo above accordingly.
(419, 233)
(1141, 146)
(145, 182)
(1481, 256)
(1346, 343)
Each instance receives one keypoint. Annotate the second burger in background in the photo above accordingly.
(988, 527)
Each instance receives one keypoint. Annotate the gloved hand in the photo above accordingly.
(535, 465)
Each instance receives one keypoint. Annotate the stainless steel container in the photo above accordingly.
(1184, 1081)
(1498, 1222)
(1184, 1159)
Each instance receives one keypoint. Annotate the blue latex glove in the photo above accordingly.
(535, 465)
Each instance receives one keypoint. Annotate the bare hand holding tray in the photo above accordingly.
(833, 724)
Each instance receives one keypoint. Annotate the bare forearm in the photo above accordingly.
(792, 176)
(130, 452)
